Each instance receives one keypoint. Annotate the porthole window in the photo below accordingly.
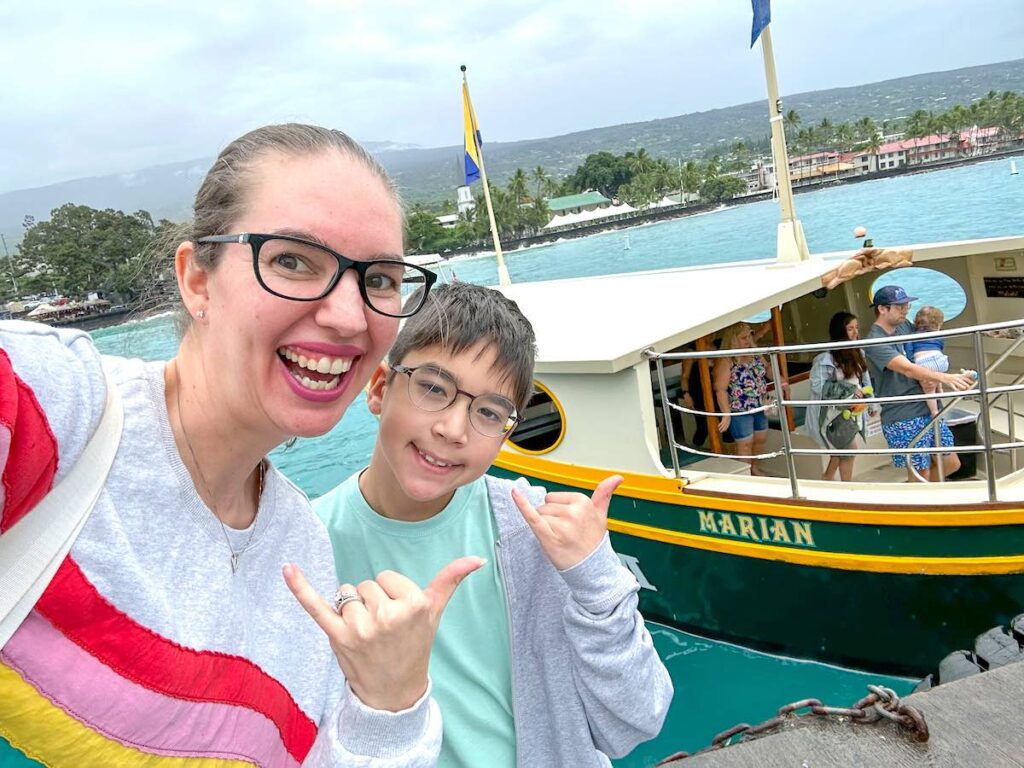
(543, 425)
(931, 287)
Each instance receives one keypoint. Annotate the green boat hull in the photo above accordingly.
(891, 622)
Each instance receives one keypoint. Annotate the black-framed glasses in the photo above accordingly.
(298, 270)
(433, 389)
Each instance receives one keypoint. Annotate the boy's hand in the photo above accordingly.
(383, 643)
(569, 526)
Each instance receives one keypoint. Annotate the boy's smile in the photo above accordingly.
(423, 456)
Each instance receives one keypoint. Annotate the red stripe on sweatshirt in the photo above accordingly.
(74, 606)
(32, 456)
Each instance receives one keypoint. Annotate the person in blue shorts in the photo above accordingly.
(542, 658)
(741, 388)
(895, 375)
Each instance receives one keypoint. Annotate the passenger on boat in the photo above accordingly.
(894, 375)
(841, 374)
(692, 396)
(542, 658)
(929, 352)
(741, 384)
(168, 631)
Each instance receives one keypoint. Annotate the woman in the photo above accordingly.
(849, 369)
(741, 384)
(168, 630)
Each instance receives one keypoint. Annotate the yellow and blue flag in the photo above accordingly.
(473, 140)
(762, 17)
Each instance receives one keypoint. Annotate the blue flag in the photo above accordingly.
(762, 16)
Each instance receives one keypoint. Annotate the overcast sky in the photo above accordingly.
(97, 87)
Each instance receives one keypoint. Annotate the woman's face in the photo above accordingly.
(253, 342)
(852, 330)
(745, 339)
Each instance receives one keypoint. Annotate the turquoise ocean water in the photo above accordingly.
(717, 685)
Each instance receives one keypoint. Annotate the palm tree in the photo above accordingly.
(843, 139)
(517, 186)
(641, 162)
(826, 133)
(791, 121)
(865, 128)
(874, 144)
(541, 179)
(690, 178)
(918, 124)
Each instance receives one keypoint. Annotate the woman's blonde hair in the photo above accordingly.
(732, 333)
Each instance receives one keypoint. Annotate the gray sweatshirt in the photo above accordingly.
(152, 568)
(587, 682)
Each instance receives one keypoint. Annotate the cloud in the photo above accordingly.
(113, 86)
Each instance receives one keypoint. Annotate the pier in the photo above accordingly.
(975, 721)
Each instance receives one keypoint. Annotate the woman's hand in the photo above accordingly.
(383, 643)
(569, 526)
(723, 423)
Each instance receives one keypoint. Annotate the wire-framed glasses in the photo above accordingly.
(433, 389)
(296, 269)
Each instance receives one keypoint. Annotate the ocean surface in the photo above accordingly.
(717, 684)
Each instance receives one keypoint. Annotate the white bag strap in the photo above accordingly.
(33, 549)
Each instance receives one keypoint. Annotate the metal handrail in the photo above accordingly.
(983, 391)
(827, 346)
(934, 423)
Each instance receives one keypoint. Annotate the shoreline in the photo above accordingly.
(643, 218)
(657, 215)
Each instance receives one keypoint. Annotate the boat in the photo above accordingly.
(1013, 167)
(877, 574)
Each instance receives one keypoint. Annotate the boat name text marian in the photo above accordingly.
(770, 530)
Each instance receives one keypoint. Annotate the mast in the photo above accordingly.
(791, 244)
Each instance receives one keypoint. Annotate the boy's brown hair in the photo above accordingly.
(457, 316)
(928, 319)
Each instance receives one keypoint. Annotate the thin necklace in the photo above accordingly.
(202, 479)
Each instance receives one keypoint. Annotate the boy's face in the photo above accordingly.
(422, 457)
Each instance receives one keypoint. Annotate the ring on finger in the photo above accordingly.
(343, 596)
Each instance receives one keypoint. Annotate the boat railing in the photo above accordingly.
(935, 426)
(989, 395)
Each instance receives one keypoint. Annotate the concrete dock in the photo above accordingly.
(976, 721)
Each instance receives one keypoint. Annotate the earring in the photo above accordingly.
(201, 314)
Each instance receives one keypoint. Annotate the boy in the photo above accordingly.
(929, 353)
(541, 658)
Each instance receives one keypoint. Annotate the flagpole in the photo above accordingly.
(503, 277)
(792, 245)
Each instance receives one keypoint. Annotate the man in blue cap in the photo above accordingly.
(893, 375)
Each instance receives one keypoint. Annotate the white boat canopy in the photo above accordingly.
(602, 324)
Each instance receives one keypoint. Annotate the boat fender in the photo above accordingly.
(997, 647)
(958, 665)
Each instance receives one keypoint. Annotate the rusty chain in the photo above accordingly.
(880, 703)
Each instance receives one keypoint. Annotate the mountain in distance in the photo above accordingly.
(429, 175)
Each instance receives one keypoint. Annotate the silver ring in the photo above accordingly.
(341, 597)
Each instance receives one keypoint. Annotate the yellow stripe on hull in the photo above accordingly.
(671, 491)
(928, 566)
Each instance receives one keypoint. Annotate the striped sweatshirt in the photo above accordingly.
(146, 649)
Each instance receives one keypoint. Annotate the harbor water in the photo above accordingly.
(717, 684)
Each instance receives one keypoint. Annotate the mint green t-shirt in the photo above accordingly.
(470, 661)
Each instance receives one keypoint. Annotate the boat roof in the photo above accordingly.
(603, 324)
